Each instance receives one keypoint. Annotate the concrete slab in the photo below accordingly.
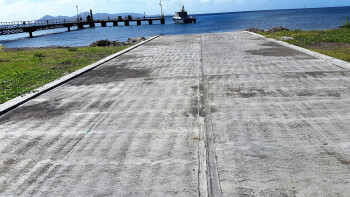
(126, 128)
(225, 114)
(280, 118)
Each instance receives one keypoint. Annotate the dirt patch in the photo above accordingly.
(127, 57)
(42, 110)
(213, 109)
(9, 162)
(333, 94)
(245, 93)
(156, 44)
(316, 74)
(305, 93)
(339, 157)
(277, 50)
(107, 74)
(196, 109)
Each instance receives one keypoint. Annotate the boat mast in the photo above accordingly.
(161, 9)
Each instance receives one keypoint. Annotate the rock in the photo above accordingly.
(277, 29)
(255, 30)
(117, 43)
(135, 40)
(101, 43)
(285, 38)
(106, 43)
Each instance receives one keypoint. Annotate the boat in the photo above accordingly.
(181, 17)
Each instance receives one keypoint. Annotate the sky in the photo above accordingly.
(20, 10)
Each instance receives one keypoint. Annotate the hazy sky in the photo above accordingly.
(16, 10)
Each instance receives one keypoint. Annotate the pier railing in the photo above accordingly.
(36, 25)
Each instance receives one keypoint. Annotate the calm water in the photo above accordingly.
(304, 19)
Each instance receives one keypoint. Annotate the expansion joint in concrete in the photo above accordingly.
(213, 184)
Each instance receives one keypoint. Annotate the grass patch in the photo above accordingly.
(22, 71)
(334, 43)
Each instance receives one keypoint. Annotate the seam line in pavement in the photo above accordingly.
(213, 175)
(15, 102)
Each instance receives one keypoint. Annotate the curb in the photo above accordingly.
(334, 61)
(15, 102)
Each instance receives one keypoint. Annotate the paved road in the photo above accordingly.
(227, 114)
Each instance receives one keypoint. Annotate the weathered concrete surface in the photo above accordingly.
(126, 128)
(241, 113)
(280, 118)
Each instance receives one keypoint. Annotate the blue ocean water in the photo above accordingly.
(304, 19)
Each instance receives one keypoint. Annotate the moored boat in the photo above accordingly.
(182, 17)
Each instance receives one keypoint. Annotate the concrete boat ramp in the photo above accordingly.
(225, 114)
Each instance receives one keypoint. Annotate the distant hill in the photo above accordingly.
(96, 16)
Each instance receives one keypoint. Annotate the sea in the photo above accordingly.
(302, 19)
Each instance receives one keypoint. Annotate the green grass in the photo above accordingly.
(23, 71)
(335, 42)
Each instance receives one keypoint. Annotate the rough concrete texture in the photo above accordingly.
(230, 114)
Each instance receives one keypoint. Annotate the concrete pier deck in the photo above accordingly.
(224, 114)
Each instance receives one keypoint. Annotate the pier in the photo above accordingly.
(7, 28)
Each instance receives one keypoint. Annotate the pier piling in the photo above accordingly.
(80, 25)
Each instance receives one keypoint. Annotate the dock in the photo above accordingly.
(7, 28)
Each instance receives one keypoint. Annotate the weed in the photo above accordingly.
(39, 55)
(347, 23)
(72, 49)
